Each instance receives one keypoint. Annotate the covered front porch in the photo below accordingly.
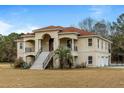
(68, 43)
(29, 46)
(71, 44)
(45, 43)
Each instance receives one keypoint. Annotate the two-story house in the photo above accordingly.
(86, 47)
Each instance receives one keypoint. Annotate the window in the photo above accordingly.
(98, 42)
(90, 42)
(21, 45)
(90, 59)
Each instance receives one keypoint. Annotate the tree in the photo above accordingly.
(8, 47)
(118, 44)
(118, 26)
(103, 28)
(87, 24)
(64, 56)
(117, 37)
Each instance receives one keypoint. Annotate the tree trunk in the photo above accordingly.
(70, 65)
(61, 64)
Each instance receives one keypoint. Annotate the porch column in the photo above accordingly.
(72, 45)
(36, 45)
(24, 46)
(39, 44)
(56, 43)
(110, 59)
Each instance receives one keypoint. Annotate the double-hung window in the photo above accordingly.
(90, 42)
(21, 45)
(90, 59)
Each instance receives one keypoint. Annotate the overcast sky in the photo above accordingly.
(25, 18)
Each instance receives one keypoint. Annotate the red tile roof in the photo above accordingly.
(66, 29)
(51, 27)
(83, 33)
(73, 29)
(69, 29)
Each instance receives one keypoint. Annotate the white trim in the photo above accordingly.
(27, 36)
(19, 40)
(61, 33)
(93, 51)
(44, 30)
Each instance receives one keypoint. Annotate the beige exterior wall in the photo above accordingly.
(20, 52)
(99, 54)
(82, 44)
(83, 57)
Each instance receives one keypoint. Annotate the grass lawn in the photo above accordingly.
(61, 78)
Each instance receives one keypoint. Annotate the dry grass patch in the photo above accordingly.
(62, 78)
(5, 65)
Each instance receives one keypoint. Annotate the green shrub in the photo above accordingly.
(26, 65)
(19, 63)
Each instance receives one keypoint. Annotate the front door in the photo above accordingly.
(51, 44)
(69, 44)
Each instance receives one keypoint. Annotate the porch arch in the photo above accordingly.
(29, 45)
(69, 43)
(30, 59)
(47, 42)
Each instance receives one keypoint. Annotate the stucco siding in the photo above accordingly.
(83, 58)
(99, 50)
(20, 52)
(100, 54)
(82, 44)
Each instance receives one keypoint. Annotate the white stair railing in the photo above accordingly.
(36, 56)
(38, 53)
(45, 63)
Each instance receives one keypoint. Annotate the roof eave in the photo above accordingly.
(39, 30)
(27, 36)
(61, 33)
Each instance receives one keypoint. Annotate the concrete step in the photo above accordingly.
(38, 64)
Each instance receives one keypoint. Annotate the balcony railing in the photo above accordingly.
(75, 48)
(29, 50)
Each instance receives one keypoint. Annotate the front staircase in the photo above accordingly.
(42, 60)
